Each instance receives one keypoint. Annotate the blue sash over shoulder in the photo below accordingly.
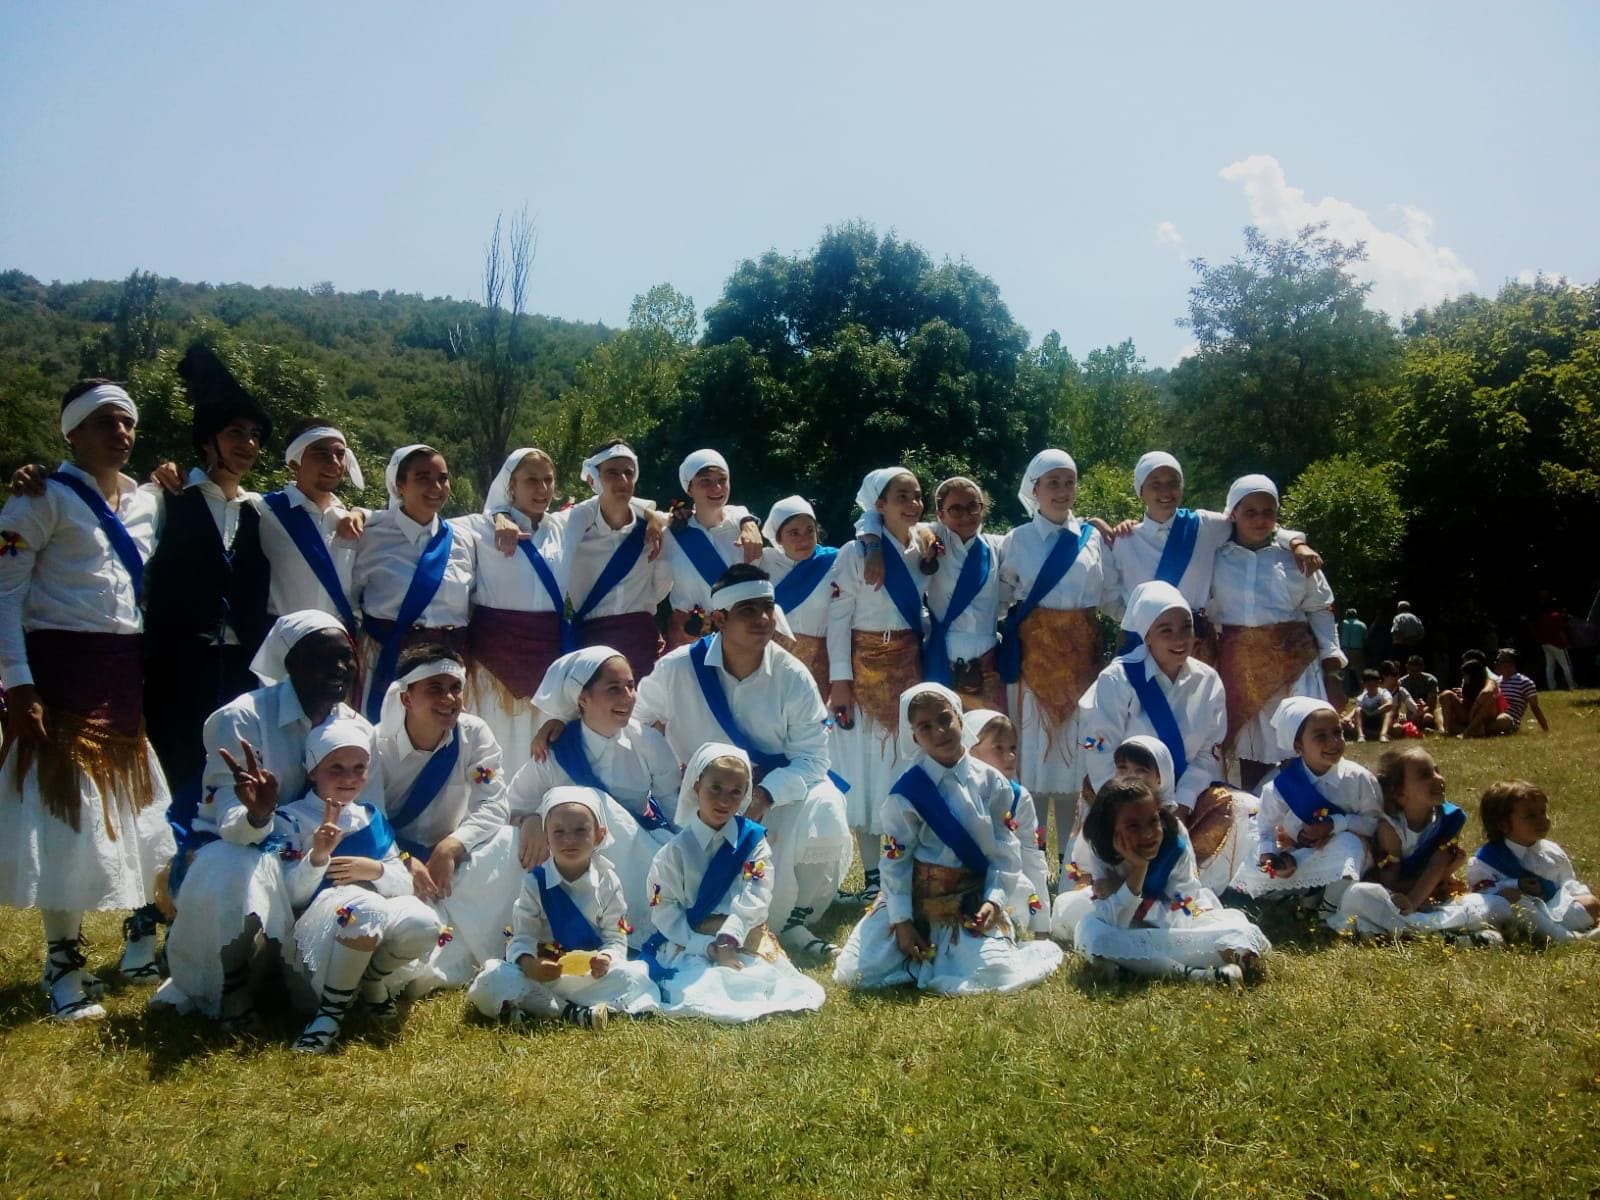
(796, 587)
(720, 874)
(1498, 855)
(614, 572)
(702, 555)
(374, 842)
(1159, 872)
(1446, 827)
(974, 575)
(570, 928)
(122, 543)
(424, 585)
(1294, 784)
(1064, 551)
(307, 539)
(430, 781)
(570, 757)
(558, 603)
(1159, 710)
(918, 787)
(1179, 550)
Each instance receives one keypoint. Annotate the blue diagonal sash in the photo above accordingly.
(1063, 554)
(969, 584)
(902, 589)
(425, 788)
(547, 578)
(424, 585)
(374, 842)
(122, 544)
(719, 876)
(570, 928)
(296, 522)
(1159, 710)
(1179, 550)
(1300, 793)
(796, 587)
(1446, 827)
(614, 572)
(1016, 798)
(1161, 867)
(916, 786)
(722, 712)
(702, 555)
(1498, 855)
(571, 758)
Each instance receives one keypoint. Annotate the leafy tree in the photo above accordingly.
(1109, 410)
(138, 329)
(1105, 490)
(1350, 511)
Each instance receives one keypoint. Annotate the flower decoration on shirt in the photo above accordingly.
(1038, 836)
(11, 543)
(625, 925)
(508, 931)
(1183, 904)
(210, 796)
(483, 774)
(548, 950)
(655, 895)
(755, 870)
(695, 623)
(1074, 872)
(1034, 903)
(344, 914)
(1011, 821)
(446, 936)
(833, 591)
(893, 848)
(1091, 742)
(1320, 814)
(289, 854)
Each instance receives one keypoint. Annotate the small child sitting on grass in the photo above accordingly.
(1521, 866)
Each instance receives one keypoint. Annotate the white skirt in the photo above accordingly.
(512, 730)
(1257, 741)
(1048, 758)
(964, 964)
(110, 862)
(353, 911)
(1366, 908)
(868, 758)
(1342, 857)
(1196, 941)
(700, 988)
(630, 850)
(502, 987)
(229, 890)
(1068, 912)
(813, 832)
(1036, 880)
(476, 912)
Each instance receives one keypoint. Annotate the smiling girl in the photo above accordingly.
(704, 542)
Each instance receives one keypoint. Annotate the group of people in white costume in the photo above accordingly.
(468, 763)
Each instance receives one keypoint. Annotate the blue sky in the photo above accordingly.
(1079, 155)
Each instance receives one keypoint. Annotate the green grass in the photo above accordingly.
(1398, 1070)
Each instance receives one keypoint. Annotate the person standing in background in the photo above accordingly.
(1551, 628)
(1353, 641)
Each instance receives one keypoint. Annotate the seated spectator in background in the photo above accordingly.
(1476, 708)
(1551, 628)
(1406, 633)
(1424, 691)
(1519, 691)
(1406, 710)
(1353, 641)
(1367, 719)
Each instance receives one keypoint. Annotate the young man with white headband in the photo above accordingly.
(227, 881)
(445, 795)
(703, 542)
(615, 583)
(1058, 572)
(83, 804)
(412, 581)
(1179, 545)
(801, 572)
(1276, 637)
(738, 686)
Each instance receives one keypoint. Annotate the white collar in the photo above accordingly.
(599, 743)
(523, 520)
(124, 484)
(937, 770)
(1045, 527)
(714, 658)
(413, 532)
(709, 837)
(296, 496)
(554, 878)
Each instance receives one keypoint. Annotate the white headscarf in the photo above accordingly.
(1156, 749)
(1043, 462)
(1249, 485)
(590, 470)
(1291, 715)
(392, 717)
(1149, 463)
(783, 510)
(688, 803)
(697, 462)
(391, 473)
(1145, 605)
(557, 697)
(294, 450)
(101, 396)
(907, 743)
(286, 633)
(974, 723)
(871, 489)
(594, 801)
(334, 734)
(498, 497)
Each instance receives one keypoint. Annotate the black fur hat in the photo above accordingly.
(218, 398)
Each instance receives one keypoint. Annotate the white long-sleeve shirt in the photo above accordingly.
(634, 765)
(472, 804)
(858, 605)
(593, 543)
(975, 632)
(1111, 712)
(810, 617)
(1139, 553)
(1349, 785)
(776, 705)
(272, 720)
(1121, 907)
(980, 799)
(386, 561)
(58, 570)
(1092, 583)
(299, 821)
(510, 582)
(674, 882)
(597, 893)
(1544, 858)
(1264, 587)
(293, 587)
(689, 588)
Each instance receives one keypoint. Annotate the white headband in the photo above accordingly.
(738, 593)
(335, 734)
(1249, 485)
(872, 487)
(317, 433)
(697, 462)
(391, 472)
(783, 511)
(565, 679)
(709, 752)
(286, 633)
(1043, 462)
(498, 497)
(591, 465)
(392, 717)
(79, 410)
(908, 743)
(1149, 463)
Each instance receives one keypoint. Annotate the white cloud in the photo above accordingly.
(1188, 350)
(1167, 234)
(1406, 268)
(1528, 276)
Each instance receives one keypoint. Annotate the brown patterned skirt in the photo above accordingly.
(1256, 663)
(884, 665)
(978, 682)
(813, 653)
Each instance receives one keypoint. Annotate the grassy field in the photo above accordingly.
(1399, 1070)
